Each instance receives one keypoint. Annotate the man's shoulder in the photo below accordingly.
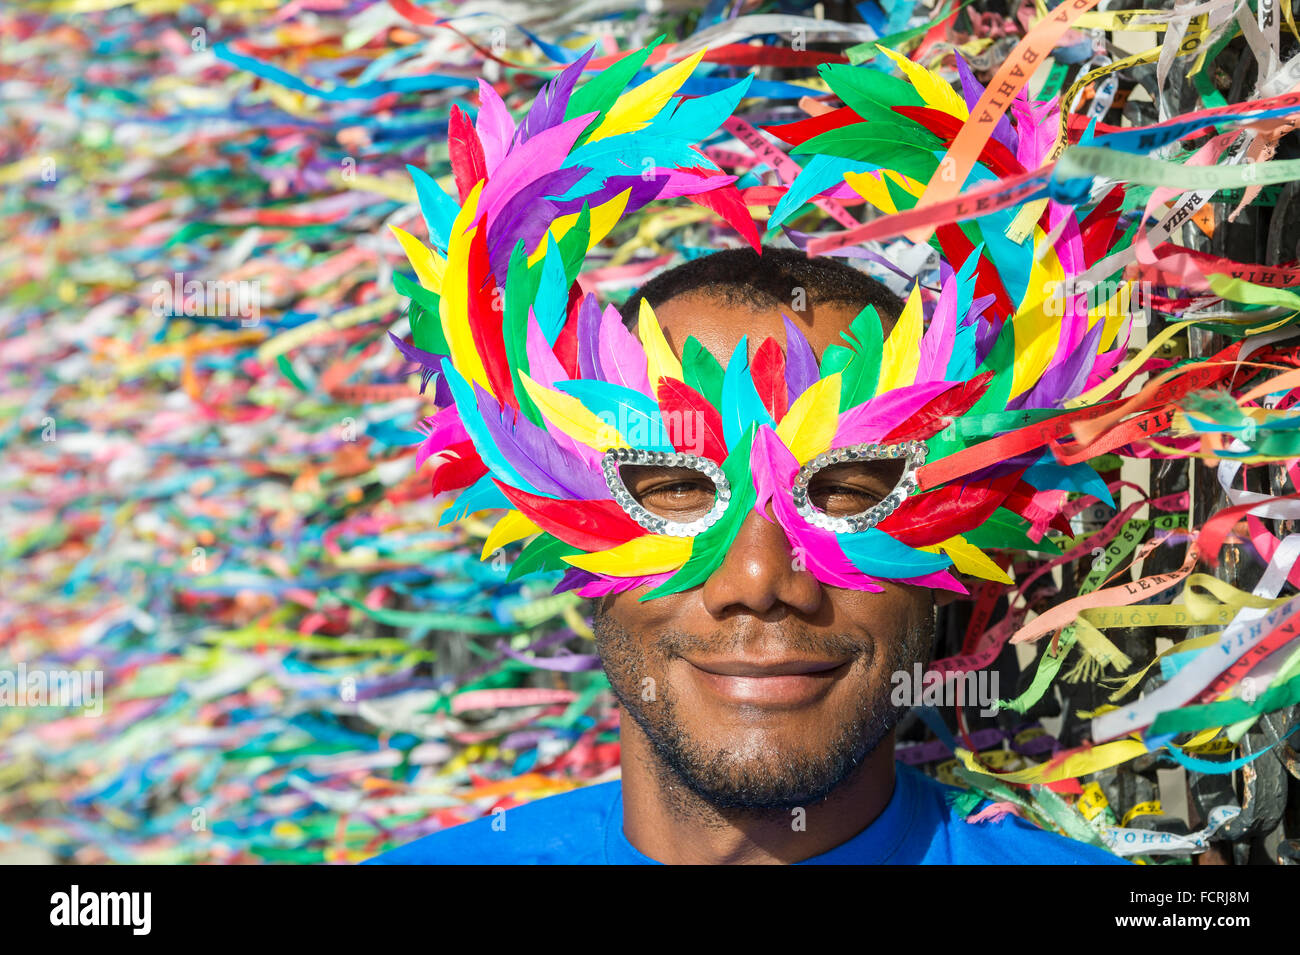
(1008, 840)
(567, 828)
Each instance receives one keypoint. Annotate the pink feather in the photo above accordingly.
(774, 468)
(616, 585)
(545, 369)
(445, 429)
(495, 126)
(936, 344)
(541, 154)
(622, 358)
(872, 420)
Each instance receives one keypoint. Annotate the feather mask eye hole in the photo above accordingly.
(848, 490)
(668, 493)
(677, 493)
(853, 487)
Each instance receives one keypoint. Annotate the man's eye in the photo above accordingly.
(679, 494)
(841, 490)
(840, 500)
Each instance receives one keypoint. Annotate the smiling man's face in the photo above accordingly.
(763, 688)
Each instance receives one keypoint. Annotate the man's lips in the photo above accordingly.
(775, 683)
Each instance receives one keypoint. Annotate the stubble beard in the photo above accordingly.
(727, 778)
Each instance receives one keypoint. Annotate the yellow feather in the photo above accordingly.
(429, 265)
(660, 360)
(453, 306)
(513, 526)
(634, 109)
(648, 554)
(809, 425)
(871, 187)
(1113, 311)
(1037, 328)
(934, 90)
(603, 218)
(969, 559)
(901, 358)
(573, 417)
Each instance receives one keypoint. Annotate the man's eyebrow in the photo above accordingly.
(886, 467)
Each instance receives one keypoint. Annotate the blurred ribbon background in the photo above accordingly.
(211, 507)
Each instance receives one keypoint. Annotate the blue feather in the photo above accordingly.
(482, 495)
(636, 416)
(623, 155)
(477, 429)
(551, 304)
(961, 364)
(698, 117)
(1046, 473)
(438, 208)
(821, 173)
(741, 405)
(875, 552)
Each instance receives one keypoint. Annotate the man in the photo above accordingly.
(758, 724)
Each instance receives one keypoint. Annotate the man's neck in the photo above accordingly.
(668, 822)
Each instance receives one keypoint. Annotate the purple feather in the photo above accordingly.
(622, 356)
(536, 456)
(542, 154)
(429, 363)
(589, 338)
(545, 368)
(549, 106)
(971, 90)
(800, 362)
(643, 191)
(574, 577)
(527, 215)
(1062, 380)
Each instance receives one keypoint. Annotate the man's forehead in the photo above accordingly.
(718, 325)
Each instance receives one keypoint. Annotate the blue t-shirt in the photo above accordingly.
(585, 827)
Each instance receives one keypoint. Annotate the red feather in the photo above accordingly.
(677, 401)
(937, 515)
(566, 343)
(485, 321)
(803, 130)
(458, 472)
(727, 202)
(468, 164)
(768, 372)
(957, 248)
(937, 413)
(994, 155)
(590, 525)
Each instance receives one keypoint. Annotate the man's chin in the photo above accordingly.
(764, 760)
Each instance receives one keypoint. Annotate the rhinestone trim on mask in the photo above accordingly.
(612, 459)
(915, 452)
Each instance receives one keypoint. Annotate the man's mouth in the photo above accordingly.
(786, 683)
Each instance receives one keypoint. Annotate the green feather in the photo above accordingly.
(862, 372)
(870, 92)
(573, 247)
(708, 548)
(703, 372)
(426, 325)
(603, 90)
(543, 552)
(1006, 530)
(520, 288)
(906, 154)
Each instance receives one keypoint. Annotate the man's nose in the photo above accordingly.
(759, 572)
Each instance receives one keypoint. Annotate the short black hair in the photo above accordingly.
(741, 277)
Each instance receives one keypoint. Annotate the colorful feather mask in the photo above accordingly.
(626, 464)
